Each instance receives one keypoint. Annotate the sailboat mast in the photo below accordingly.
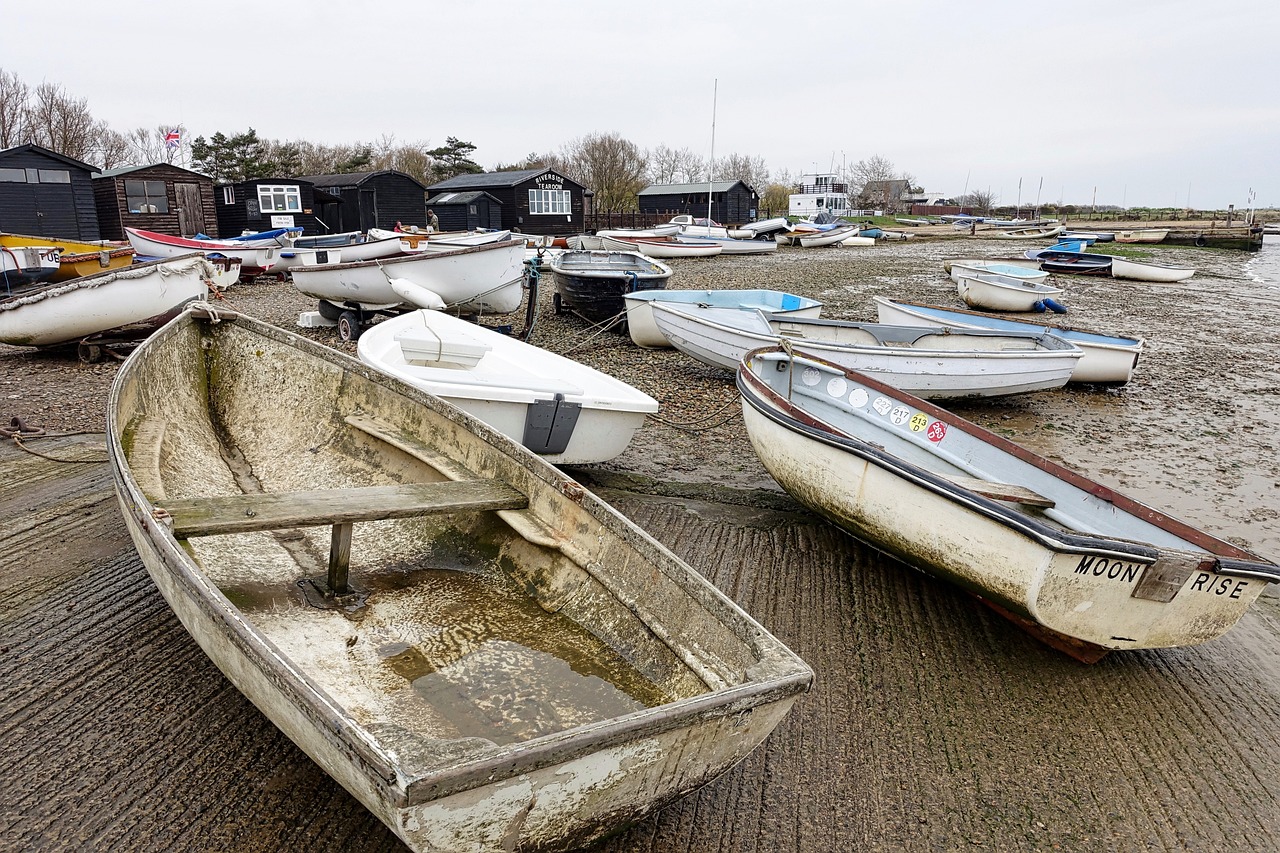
(711, 166)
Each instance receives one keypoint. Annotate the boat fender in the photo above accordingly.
(1055, 307)
(416, 294)
(1200, 241)
(1037, 307)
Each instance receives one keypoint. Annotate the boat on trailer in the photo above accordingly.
(1084, 567)
(482, 652)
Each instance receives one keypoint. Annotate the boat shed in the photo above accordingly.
(732, 202)
(364, 200)
(46, 194)
(263, 204)
(466, 211)
(162, 197)
(532, 201)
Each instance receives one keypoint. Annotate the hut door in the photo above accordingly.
(369, 210)
(190, 211)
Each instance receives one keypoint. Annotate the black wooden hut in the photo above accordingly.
(46, 194)
(364, 200)
(532, 201)
(732, 202)
(161, 197)
(466, 211)
(263, 204)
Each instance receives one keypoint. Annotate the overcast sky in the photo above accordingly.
(1147, 103)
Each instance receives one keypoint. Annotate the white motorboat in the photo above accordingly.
(563, 410)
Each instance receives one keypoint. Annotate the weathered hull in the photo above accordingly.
(1138, 271)
(662, 248)
(1002, 294)
(1142, 235)
(425, 697)
(936, 366)
(128, 303)
(485, 278)
(1030, 272)
(1096, 567)
(1107, 358)
(24, 266)
(592, 284)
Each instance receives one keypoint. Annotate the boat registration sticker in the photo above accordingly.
(858, 398)
(837, 386)
(811, 376)
(936, 431)
(900, 415)
(919, 421)
(882, 405)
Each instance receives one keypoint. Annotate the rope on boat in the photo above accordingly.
(605, 324)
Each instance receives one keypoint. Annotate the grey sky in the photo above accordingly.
(1152, 103)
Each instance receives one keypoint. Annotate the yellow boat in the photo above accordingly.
(78, 257)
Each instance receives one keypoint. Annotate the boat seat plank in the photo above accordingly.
(253, 512)
(1003, 491)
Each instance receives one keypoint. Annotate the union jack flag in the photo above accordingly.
(172, 139)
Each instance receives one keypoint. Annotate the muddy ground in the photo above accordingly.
(933, 725)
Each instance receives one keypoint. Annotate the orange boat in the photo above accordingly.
(78, 257)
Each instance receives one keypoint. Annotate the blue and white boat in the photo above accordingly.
(645, 332)
(1107, 358)
(1014, 271)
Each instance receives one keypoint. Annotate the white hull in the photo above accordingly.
(481, 278)
(858, 240)
(371, 250)
(1122, 576)
(669, 229)
(1027, 233)
(734, 245)
(118, 299)
(1144, 235)
(1138, 271)
(461, 767)
(996, 294)
(1015, 261)
(508, 380)
(254, 260)
(1107, 358)
(662, 248)
(1032, 274)
(826, 238)
(915, 359)
(645, 332)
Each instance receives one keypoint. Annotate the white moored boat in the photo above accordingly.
(563, 410)
(931, 362)
(483, 653)
(1089, 568)
(645, 332)
(1144, 271)
(110, 307)
(254, 258)
(1021, 261)
(1026, 233)
(485, 279)
(997, 293)
(1015, 271)
(1107, 358)
(1142, 235)
(662, 247)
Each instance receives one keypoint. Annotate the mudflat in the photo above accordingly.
(933, 724)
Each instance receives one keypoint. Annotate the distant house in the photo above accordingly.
(532, 201)
(819, 192)
(466, 211)
(887, 195)
(46, 194)
(160, 197)
(731, 202)
(263, 204)
(364, 200)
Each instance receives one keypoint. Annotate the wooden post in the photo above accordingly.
(339, 558)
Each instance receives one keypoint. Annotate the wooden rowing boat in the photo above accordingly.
(483, 653)
(1084, 566)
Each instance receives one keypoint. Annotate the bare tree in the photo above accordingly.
(60, 122)
(13, 109)
(752, 171)
(675, 166)
(111, 149)
(612, 166)
(980, 200)
(874, 168)
(776, 198)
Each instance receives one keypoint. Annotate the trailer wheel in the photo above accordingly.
(328, 310)
(349, 326)
(89, 353)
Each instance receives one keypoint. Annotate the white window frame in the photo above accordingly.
(228, 195)
(550, 202)
(268, 193)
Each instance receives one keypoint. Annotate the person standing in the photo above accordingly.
(433, 222)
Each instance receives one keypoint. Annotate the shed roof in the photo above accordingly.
(449, 197)
(701, 187)
(124, 170)
(347, 179)
(48, 152)
(494, 179)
